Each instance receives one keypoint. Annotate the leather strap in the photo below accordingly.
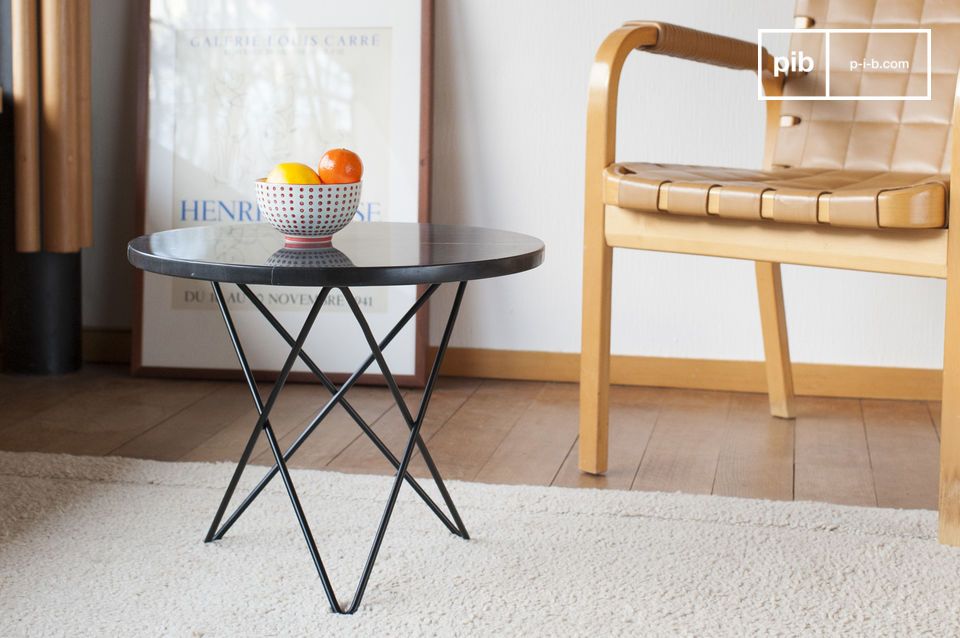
(700, 46)
(854, 199)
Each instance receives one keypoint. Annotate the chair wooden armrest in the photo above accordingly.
(702, 46)
(674, 41)
(664, 39)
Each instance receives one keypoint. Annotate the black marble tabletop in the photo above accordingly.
(362, 254)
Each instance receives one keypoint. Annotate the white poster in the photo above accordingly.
(246, 98)
(237, 86)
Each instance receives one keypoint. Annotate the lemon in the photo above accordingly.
(292, 173)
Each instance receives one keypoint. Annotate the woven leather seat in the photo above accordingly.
(872, 164)
(862, 199)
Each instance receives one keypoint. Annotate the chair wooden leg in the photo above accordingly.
(950, 417)
(595, 345)
(773, 321)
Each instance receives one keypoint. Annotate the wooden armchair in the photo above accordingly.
(856, 185)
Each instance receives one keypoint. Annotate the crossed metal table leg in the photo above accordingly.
(281, 458)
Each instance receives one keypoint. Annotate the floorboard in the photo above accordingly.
(535, 447)
(633, 413)
(174, 437)
(756, 454)
(23, 396)
(103, 416)
(934, 408)
(473, 433)
(868, 452)
(334, 434)
(684, 447)
(904, 453)
(225, 440)
(361, 456)
(832, 462)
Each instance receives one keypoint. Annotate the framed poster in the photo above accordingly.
(229, 89)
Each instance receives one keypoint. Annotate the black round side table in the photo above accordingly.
(363, 254)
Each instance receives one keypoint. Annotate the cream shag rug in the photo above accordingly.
(112, 547)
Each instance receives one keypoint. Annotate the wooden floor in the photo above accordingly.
(850, 451)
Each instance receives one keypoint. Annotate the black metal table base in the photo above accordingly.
(415, 442)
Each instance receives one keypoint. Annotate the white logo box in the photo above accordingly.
(826, 62)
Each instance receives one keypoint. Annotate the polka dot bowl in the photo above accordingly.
(308, 214)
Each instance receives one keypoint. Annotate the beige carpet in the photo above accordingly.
(112, 547)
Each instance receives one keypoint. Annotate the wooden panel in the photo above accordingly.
(810, 379)
(26, 121)
(904, 453)
(832, 462)
(104, 345)
(867, 382)
(633, 413)
(518, 365)
(59, 134)
(684, 448)
(908, 252)
(756, 455)
(84, 126)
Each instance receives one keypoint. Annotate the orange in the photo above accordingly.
(340, 166)
(292, 173)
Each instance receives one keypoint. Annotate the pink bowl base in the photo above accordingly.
(292, 241)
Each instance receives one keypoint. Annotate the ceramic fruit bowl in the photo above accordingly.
(308, 214)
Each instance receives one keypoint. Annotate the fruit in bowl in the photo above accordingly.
(340, 166)
(292, 173)
(306, 208)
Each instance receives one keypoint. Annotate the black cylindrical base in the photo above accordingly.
(41, 313)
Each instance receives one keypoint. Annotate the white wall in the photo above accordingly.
(510, 103)
(511, 83)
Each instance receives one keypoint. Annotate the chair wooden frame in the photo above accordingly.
(925, 253)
